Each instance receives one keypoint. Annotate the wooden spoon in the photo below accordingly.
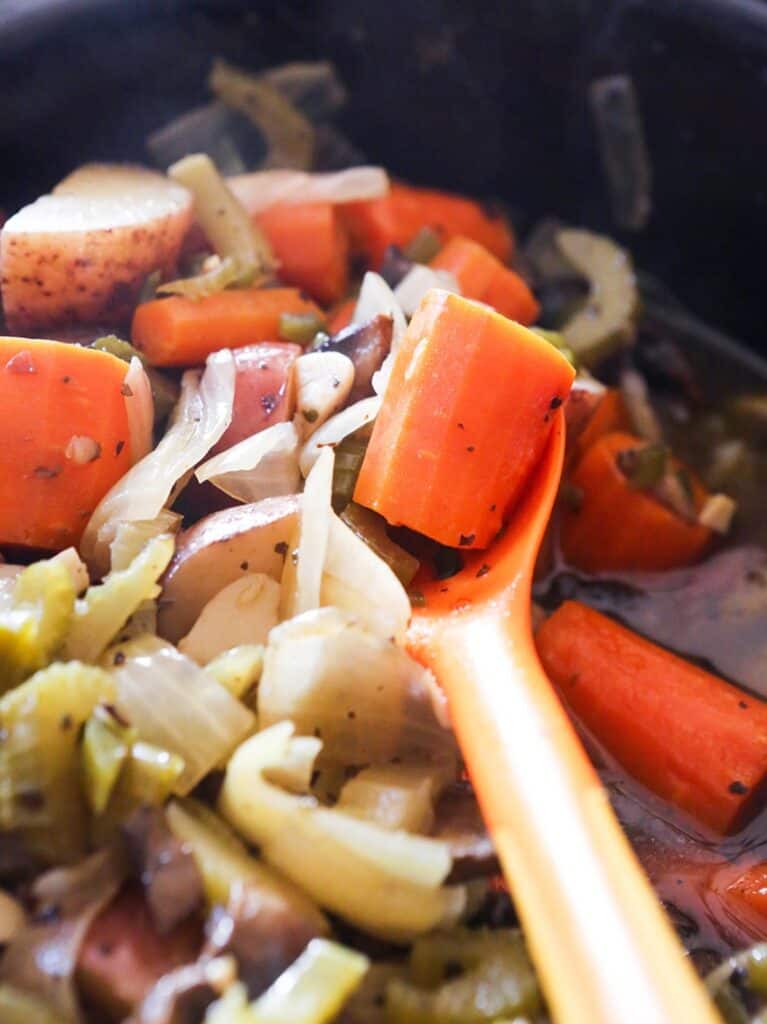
(601, 942)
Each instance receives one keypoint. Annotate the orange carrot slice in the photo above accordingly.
(616, 527)
(466, 416)
(396, 218)
(312, 247)
(64, 439)
(181, 332)
(482, 276)
(690, 737)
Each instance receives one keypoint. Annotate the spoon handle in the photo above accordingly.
(601, 942)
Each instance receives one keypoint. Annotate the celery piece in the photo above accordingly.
(106, 746)
(424, 246)
(300, 328)
(40, 779)
(17, 1007)
(148, 776)
(607, 321)
(314, 988)
(238, 670)
(224, 220)
(216, 279)
(107, 606)
(349, 454)
(34, 628)
(371, 528)
(557, 339)
(497, 980)
(225, 864)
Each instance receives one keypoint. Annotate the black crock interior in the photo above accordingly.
(487, 98)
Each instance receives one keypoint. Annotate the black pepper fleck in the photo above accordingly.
(244, 566)
(470, 448)
(738, 788)
(466, 539)
(281, 547)
(119, 658)
(127, 391)
(555, 402)
(119, 447)
(483, 570)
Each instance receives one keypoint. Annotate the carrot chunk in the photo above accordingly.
(312, 247)
(181, 332)
(341, 316)
(614, 526)
(482, 276)
(692, 738)
(609, 416)
(64, 439)
(466, 416)
(396, 218)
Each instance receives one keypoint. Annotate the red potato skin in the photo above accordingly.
(89, 277)
(123, 955)
(264, 390)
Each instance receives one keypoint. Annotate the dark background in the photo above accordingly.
(488, 98)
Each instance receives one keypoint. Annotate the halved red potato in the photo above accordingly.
(264, 390)
(82, 254)
(219, 549)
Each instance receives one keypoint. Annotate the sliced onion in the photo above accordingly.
(177, 706)
(130, 538)
(262, 189)
(323, 383)
(377, 297)
(242, 613)
(43, 956)
(355, 579)
(203, 413)
(264, 465)
(331, 433)
(368, 700)
(139, 406)
(418, 281)
(304, 564)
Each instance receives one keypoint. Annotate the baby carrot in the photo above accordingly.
(465, 417)
(64, 438)
(181, 332)
(692, 738)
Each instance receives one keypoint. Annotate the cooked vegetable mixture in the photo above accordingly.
(246, 416)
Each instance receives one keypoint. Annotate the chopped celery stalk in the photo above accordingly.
(350, 454)
(33, 629)
(17, 1007)
(644, 468)
(116, 347)
(164, 390)
(40, 778)
(497, 980)
(424, 246)
(225, 864)
(216, 279)
(107, 606)
(148, 776)
(314, 988)
(749, 970)
(371, 528)
(607, 321)
(557, 339)
(300, 328)
(224, 220)
(106, 746)
(238, 670)
(288, 134)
